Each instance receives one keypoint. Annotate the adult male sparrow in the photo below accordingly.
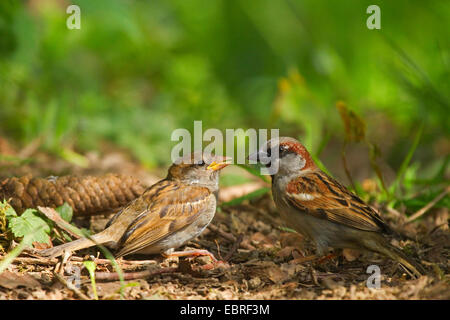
(321, 208)
(168, 214)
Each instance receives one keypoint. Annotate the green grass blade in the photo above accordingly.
(401, 173)
(91, 266)
(26, 242)
(14, 253)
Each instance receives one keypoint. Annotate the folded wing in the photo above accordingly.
(170, 207)
(323, 197)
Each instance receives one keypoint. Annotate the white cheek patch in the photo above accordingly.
(303, 196)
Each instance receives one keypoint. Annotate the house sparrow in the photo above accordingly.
(167, 215)
(321, 208)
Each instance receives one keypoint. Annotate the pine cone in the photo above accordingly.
(87, 195)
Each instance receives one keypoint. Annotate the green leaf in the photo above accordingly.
(66, 236)
(6, 208)
(404, 166)
(65, 211)
(91, 266)
(321, 165)
(30, 224)
(73, 157)
(132, 284)
(116, 266)
(286, 229)
(85, 232)
(9, 258)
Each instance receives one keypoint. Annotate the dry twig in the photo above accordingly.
(114, 276)
(53, 215)
(40, 261)
(53, 261)
(71, 287)
(234, 248)
(229, 237)
(422, 211)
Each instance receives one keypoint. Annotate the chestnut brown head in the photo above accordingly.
(286, 154)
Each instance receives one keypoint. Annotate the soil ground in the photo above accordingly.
(265, 261)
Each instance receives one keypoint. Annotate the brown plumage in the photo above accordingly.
(165, 216)
(321, 208)
(166, 208)
(332, 201)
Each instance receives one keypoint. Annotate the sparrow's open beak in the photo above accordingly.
(219, 165)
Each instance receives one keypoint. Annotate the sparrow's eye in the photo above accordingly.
(282, 149)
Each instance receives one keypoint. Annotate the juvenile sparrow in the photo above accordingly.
(167, 215)
(321, 208)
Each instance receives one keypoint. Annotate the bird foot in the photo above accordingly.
(191, 253)
(197, 253)
(326, 258)
(214, 265)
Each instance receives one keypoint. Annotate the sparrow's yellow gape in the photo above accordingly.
(218, 165)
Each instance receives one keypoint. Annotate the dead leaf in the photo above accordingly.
(291, 239)
(369, 185)
(11, 280)
(290, 269)
(297, 254)
(6, 148)
(258, 238)
(439, 219)
(351, 254)
(355, 128)
(280, 274)
(105, 289)
(302, 260)
(290, 286)
(254, 283)
(276, 275)
(40, 245)
(236, 224)
(285, 252)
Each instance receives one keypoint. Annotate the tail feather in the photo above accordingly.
(382, 246)
(396, 254)
(75, 245)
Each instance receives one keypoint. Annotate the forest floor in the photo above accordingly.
(264, 260)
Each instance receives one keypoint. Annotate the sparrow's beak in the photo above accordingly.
(220, 164)
(254, 156)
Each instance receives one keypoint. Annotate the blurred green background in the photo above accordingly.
(137, 70)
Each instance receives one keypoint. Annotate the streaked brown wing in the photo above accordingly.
(170, 208)
(323, 197)
(140, 205)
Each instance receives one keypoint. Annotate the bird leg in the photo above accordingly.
(326, 258)
(195, 253)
